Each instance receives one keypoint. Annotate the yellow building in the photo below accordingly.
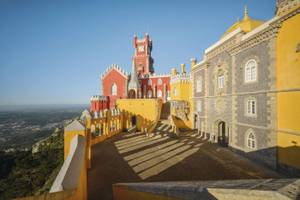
(288, 83)
(181, 97)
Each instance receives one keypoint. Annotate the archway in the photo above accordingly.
(195, 121)
(149, 94)
(222, 134)
(131, 94)
(133, 120)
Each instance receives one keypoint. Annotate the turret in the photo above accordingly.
(174, 71)
(193, 62)
(182, 68)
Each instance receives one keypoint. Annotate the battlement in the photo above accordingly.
(99, 98)
(114, 67)
(105, 113)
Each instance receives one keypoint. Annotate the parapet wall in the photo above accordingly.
(145, 112)
(250, 189)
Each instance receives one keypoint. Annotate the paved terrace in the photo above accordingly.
(136, 158)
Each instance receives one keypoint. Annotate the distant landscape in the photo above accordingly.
(22, 126)
(31, 147)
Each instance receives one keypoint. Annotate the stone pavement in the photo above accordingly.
(136, 158)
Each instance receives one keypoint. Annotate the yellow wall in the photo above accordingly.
(146, 110)
(81, 190)
(288, 77)
(183, 93)
(68, 136)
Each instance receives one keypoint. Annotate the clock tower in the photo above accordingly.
(142, 60)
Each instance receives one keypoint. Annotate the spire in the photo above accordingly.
(246, 16)
(133, 83)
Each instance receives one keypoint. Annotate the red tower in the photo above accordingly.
(142, 60)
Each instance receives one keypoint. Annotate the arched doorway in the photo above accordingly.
(131, 94)
(149, 95)
(222, 134)
(133, 120)
(195, 121)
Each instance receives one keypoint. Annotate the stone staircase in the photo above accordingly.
(165, 127)
(132, 129)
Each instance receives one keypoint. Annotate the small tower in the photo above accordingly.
(142, 60)
(133, 86)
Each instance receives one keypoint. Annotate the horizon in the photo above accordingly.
(53, 52)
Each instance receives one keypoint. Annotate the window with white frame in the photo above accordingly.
(251, 71)
(159, 93)
(199, 85)
(198, 106)
(149, 94)
(174, 92)
(251, 107)
(159, 82)
(251, 140)
(221, 81)
(114, 89)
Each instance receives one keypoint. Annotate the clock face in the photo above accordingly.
(141, 48)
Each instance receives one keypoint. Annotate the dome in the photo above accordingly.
(246, 25)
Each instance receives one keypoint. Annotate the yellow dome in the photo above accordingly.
(246, 25)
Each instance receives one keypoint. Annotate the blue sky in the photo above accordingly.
(53, 52)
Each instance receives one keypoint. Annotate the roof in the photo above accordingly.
(247, 24)
(75, 125)
(117, 69)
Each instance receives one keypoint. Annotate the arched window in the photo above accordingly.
(251, 106)
(149, 94)
(174, 92)
(159, 82)
(149, 82)
(251, 140)
(221, 81)
(159, 93)
(114, 89)
(251, 71)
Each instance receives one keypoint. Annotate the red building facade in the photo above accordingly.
(142, 60)
(99, 103)
(141, 83)
(114, 84)
(156, 86)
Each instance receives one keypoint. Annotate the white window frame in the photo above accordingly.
(221, 81)
(251, 141)
(199, 85)
(175, 92)
(251, 107)
(149, 94)
(159, 81)
(159, 93)
(250, 71)
(114, 89)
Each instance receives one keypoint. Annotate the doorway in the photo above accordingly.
(195, 121)
(133, 120)
(222, 135)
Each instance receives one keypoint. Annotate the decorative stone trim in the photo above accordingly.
(114, 67)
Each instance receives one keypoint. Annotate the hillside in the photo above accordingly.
(23, 173)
